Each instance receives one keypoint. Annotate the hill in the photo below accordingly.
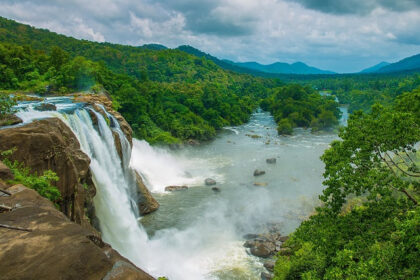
(375, 68)
(283, 68)
(406, 64)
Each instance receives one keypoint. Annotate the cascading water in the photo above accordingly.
(115, 183)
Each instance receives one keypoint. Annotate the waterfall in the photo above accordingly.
(115, 183)
(116, 190)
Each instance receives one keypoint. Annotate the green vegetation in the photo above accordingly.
(297, 106)
(376, 165)
(166, 95)
(6, 105)
(40, 183)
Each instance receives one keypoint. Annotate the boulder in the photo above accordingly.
(269, 265)
(10, 120)
(259, 184)
(263, 250)
(266, 276)
(283, 238)
(271, 160)
(5, 172)
(50, 144)
(250, 236)
(46, 107)
(53, 247)
(250, 243)
(175, 188)
(146, 202)
(216, 189)
(258, 172)
(210, 182)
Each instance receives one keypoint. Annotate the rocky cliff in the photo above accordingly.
(39, 242)
(50, 144)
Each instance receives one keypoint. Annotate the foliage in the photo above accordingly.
(375, 160)
(6, 105)
(40, 183)
(166, 95)
(297, 106)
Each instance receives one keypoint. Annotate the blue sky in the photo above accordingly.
(342, 36)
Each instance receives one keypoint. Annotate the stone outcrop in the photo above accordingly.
(10, 120)
(175, 188)
(47, 245)
(258, 172)
(50, 144)
(146, 203)
(210, 182)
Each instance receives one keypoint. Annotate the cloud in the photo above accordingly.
(358, 6)
(337, 35)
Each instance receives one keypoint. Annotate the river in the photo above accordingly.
(198, 233)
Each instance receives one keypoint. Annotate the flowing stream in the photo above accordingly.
(197, 233)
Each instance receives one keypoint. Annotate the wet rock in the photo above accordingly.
(10, 120)
(260, 184)
(117, 143)
(269, 265)
(216, 189)
(283, 238)
(46, 107)
(55, 248)
(258, 172)
(266, 276)
(146, 202)
(193, 142)
(49, 144)
(5, 172)
(210, 182)
(175, 188)
(271, 160)
(250, 243)
(263, 250)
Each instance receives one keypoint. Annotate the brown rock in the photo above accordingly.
(10, 120)
(269, 265)
(147, 203)
(118, 145)
(262, 250)
(55, 248)
(266, 276)
(258, 172)
(175, 188)
(5, 172)
(283, 238)
(50, 144)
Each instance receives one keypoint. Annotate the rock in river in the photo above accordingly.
(258, 172)
(216, 189)
(271, 160)
(175, 188)
(210, 182)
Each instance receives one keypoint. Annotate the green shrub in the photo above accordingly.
(6, 105)
(40, 183)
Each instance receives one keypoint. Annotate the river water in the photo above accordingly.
(198, 233)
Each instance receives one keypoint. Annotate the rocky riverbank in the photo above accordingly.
(39, 242)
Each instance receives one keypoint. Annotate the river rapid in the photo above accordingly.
(198, 233)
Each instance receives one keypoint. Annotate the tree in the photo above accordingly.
(376, 156)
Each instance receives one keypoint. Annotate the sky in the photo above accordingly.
(336, 35)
